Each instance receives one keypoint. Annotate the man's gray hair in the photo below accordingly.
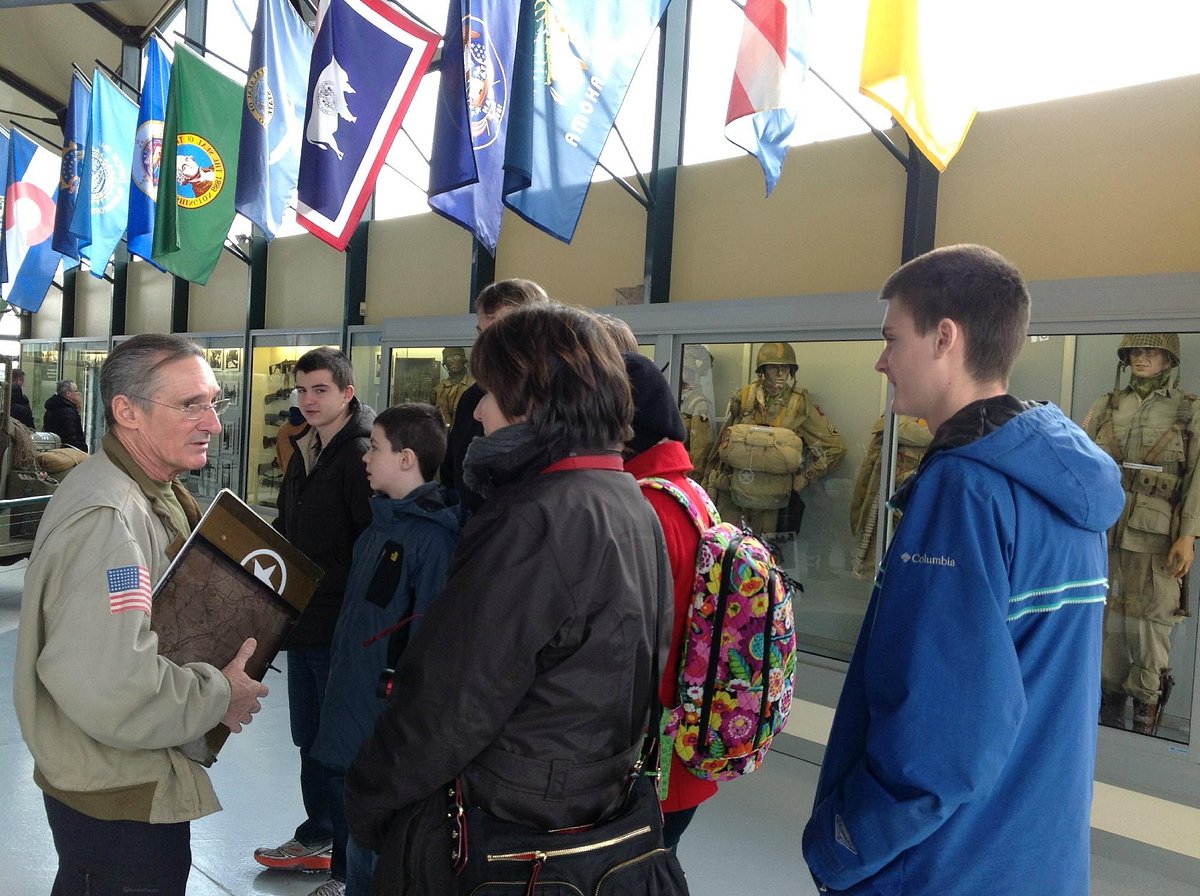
(65, 386)
(132, 367)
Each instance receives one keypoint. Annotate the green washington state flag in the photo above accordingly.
(198, 174)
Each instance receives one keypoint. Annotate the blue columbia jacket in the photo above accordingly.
(399, 567)
(961, 755)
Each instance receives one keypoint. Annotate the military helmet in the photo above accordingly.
(454, 351)
(1168, 342)
(775, 353)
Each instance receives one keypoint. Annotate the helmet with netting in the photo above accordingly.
(776, 353)
(1168, 342)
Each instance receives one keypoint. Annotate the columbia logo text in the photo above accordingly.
(927, 559)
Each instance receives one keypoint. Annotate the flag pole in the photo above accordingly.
(195, 44)
(112, 74)
(41, 118)
(82, 74)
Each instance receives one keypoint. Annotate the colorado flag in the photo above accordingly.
(29, 198)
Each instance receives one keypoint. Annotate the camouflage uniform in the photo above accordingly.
(1151, 423)
(790, 409)
(697, 412)
(912, 438)
(447, 392)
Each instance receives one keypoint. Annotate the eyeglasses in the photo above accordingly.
(194, 411)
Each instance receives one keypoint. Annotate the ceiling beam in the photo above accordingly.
(31, 92)
(105, 19)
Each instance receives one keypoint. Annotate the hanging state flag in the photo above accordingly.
(584, 57)
(75, 134)
(917, 63)
(4, 143)
(200, 148)
(772, 60)
(147, 152)
(109, 157)
(31, 190)
(367, 61)
(470, 126)
(273, 115)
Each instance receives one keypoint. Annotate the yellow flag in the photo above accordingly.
(917, 63)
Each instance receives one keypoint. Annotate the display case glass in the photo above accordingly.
(366, 357)
(224, 468)
(830, 533)
(39, 360)
(273, 356)
(81, 360)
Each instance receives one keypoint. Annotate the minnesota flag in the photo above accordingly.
(201, 132)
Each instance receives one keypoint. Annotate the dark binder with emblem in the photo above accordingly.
(234, 578)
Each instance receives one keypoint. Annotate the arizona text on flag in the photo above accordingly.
(30, 193)
(199, 164)
(584, 58)
(129, 589)
(772, 60)
(273, 115)
(367, 61)
(109, 156)
(147, 152)
(919, 63)
(470, 126)
(79, 110)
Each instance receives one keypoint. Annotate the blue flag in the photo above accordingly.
(31, 190)
(147, 152)
(109, 154)
(367, 61)
(79, 108)
(470, 126)
(4, 141)
(273, 115)
(584, 59)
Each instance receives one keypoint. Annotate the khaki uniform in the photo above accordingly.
(446, 395)
(793, 410)
(1160, 506)
(697, 413)
(912, 438)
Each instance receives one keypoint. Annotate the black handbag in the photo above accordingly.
(619, 856)
(622, 855)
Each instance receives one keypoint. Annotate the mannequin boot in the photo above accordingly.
(1145, 715)
(1112, 709)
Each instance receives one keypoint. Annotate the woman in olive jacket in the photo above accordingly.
(531, 676)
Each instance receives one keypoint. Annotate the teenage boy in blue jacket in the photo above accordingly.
(399, 566)
(961, 755)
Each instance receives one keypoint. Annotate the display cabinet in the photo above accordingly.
(39, 360)
(224, 469)
(273, 356)
(81, 360)
(366, 356)
(428, 360)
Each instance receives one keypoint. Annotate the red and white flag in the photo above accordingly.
(772, 61)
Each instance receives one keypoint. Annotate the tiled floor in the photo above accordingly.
(745, 840)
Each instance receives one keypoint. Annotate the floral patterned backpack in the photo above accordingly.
(738, 661)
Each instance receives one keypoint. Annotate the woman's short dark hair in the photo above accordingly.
(978, 289)
(417, 426)
(509, 294)
(557, 367)
(132, 367)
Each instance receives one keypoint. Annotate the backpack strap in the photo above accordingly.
(693, 511)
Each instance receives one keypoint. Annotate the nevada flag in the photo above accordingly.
(273, 115)
(583, 62)
(30, 195)
(366, 64)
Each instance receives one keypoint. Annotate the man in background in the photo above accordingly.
(62, 415)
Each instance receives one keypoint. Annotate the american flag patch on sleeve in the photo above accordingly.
(129, 589)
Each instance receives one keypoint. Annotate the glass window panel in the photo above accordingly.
(1143, 610)
(224, 467)
(81, 363)
(39, 360)
(811, 529)
(272, 378)
(403, 180)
